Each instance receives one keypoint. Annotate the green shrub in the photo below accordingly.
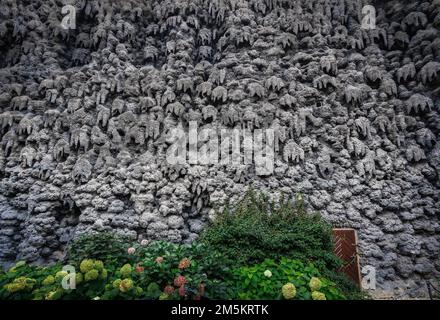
(108, 247)
(257, 229)
(267, 279)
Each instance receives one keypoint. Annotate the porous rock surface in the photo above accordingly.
(85, 117)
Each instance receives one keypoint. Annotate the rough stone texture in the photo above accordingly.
(85, 117)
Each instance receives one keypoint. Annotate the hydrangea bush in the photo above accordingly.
(168, 277)
(159, 270)
(285, 279)
(257, 250)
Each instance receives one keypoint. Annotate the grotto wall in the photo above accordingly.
(86, 114)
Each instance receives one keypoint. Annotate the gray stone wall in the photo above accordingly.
(85, 118)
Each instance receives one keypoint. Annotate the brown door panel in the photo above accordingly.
(345, 241)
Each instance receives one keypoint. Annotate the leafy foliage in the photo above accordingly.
(258, 229)
(108, 247)
(265, 280)
(159, 270)
(347, 286)
(34, 275)
(206, 266)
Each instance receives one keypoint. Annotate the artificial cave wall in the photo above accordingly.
(86, 114)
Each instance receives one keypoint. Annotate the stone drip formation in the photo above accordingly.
(85, 117)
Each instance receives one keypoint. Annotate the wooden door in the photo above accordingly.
(345, 241)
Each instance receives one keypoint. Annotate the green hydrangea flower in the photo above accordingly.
(17, 265)
(86, 265)
(104, 274)
(164, 296)
(14, 287)
(19, 284)
(91, 275)
(20, 264)
(126, 285)
(60, 275)
(125, 270)
(79, 278)
(48, 281)
(54, 295)
(315, 284)
(98, 265)
(29, 283)
(316, 295)
(116, 283)
(139, 291)
(289, 291)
